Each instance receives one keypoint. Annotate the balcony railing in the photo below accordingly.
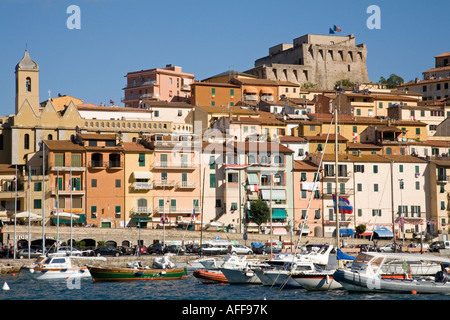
(114, 164)
(54, 166)
(187, 185)
(97, 164)
(250, 97)
(142, 210)
(143, 185)
(164, 183)
(171, 165)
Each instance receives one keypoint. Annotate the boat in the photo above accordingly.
(213, 272)
(322, 280)
(163, 263)
(135, 272)
(210, 276)
(378, 272)
(55, 267)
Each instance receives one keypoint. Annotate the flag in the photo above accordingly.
(336, 29)
(15, 182)
(331, 31)
(344, 205)
(193, 214)
(111, 101)
(29, 177)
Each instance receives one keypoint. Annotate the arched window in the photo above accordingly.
(50, 137)
(26, 141)
(388, 151)
(28, 84)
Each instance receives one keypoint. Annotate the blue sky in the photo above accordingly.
(204, 37)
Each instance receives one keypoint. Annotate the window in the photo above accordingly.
(329, 188)
(418, 131)
(59, 160)
(304, 214)
(212, 162)
(76, 160)
(329, 170)
(212, 180)
(234, 206)
(93, 212)
(316, 194)
(141, 160)
(156, 113)
(417, 185)
(161, 205)
(400, 168)
(94, 183)
(317, 214)
(118, 211)
(301, 152)
(375, 169)
(163, 176)
(28, 84)
(376, 212)
(195, 204)
(359, 187)
(358, 168)
(173, 205)
(401, 185)
(118, 183)
(218, 203)
(180, 113)
(375, 187)
(380, 105)
(443, 205)
(403, 210)
(26, 141)
(37, 204)
(319, 147)
(303, 176)
(76, 184)
(359, 212)
(358, 112)
(38, 186)
(415, 211)
(303, 194)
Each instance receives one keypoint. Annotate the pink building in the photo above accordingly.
(304, 188)
(160, 84)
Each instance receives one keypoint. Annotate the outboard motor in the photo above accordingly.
(442, 277)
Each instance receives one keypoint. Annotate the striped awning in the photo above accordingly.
(252, 178)
(276, 194)
(279, 213)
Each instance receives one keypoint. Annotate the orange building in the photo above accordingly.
(104, 179)
(215, 94)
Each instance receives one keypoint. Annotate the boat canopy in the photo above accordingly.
(383, 233)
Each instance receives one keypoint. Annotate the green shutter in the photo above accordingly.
(141, 159)
(76, 160)
(59, 160)
(212, 180)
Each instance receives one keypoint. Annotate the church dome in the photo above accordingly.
(27, 63)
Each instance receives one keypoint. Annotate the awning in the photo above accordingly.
(383, 233)
(266, 91)
(252, 195)
(142, 175)
(250, 90)
(142, 219)
(276, 194)
(279, 214)
(26, 214)
(65, 215)
(252, 178)
(346, 232)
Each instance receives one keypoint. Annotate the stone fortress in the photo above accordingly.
(319, 60)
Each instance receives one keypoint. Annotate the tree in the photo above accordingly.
(360, 229)
(345, 83)
(259, 212)
(392, 82)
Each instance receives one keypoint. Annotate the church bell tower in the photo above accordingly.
(27, 83)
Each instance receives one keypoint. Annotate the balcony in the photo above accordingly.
(164, 183)
(177, 211)
(97, 164)
(442, 179)
(54, 166)
(164, 165)
(117, 165)
(143, 185)
(67, 192)
(187, 185)
(142, 211)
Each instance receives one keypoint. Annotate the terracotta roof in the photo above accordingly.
(291, 139)
(446, 68)
(445, 54)
(371, 158)
(134, 146)
(62, 145)
(357, 145)
(97, 136)
(227, 110)
(304, 166)
(254, 82)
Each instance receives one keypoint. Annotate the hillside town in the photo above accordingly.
(302, 125)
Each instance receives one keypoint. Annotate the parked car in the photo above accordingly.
(192, 248)
(23, 253)
(126, 250)
(140, 251)
(178, 250)
(256, 245)
(209, 249)
(267, 249)
(65, 249)
(366, 248)
(239, 249)
(155, 248)
(107, 251)
(439, 245)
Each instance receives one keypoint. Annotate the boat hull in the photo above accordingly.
(37, 273)
(100, 274)
(317, 282)
(354, 281)
(239, 276)
(280, 278)
(210, 276)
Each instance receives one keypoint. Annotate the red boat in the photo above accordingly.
(210, 276)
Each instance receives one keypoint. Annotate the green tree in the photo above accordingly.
(259, 212)
(392, 82)
(360, 229)
(345, 83)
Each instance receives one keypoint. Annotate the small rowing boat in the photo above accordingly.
(135, 273)
(210, 276)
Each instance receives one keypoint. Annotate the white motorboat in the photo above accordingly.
(378, 272)
(55, 267)
(240, 275)
(163, 263)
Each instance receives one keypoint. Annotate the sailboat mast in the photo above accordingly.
(336, 172)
